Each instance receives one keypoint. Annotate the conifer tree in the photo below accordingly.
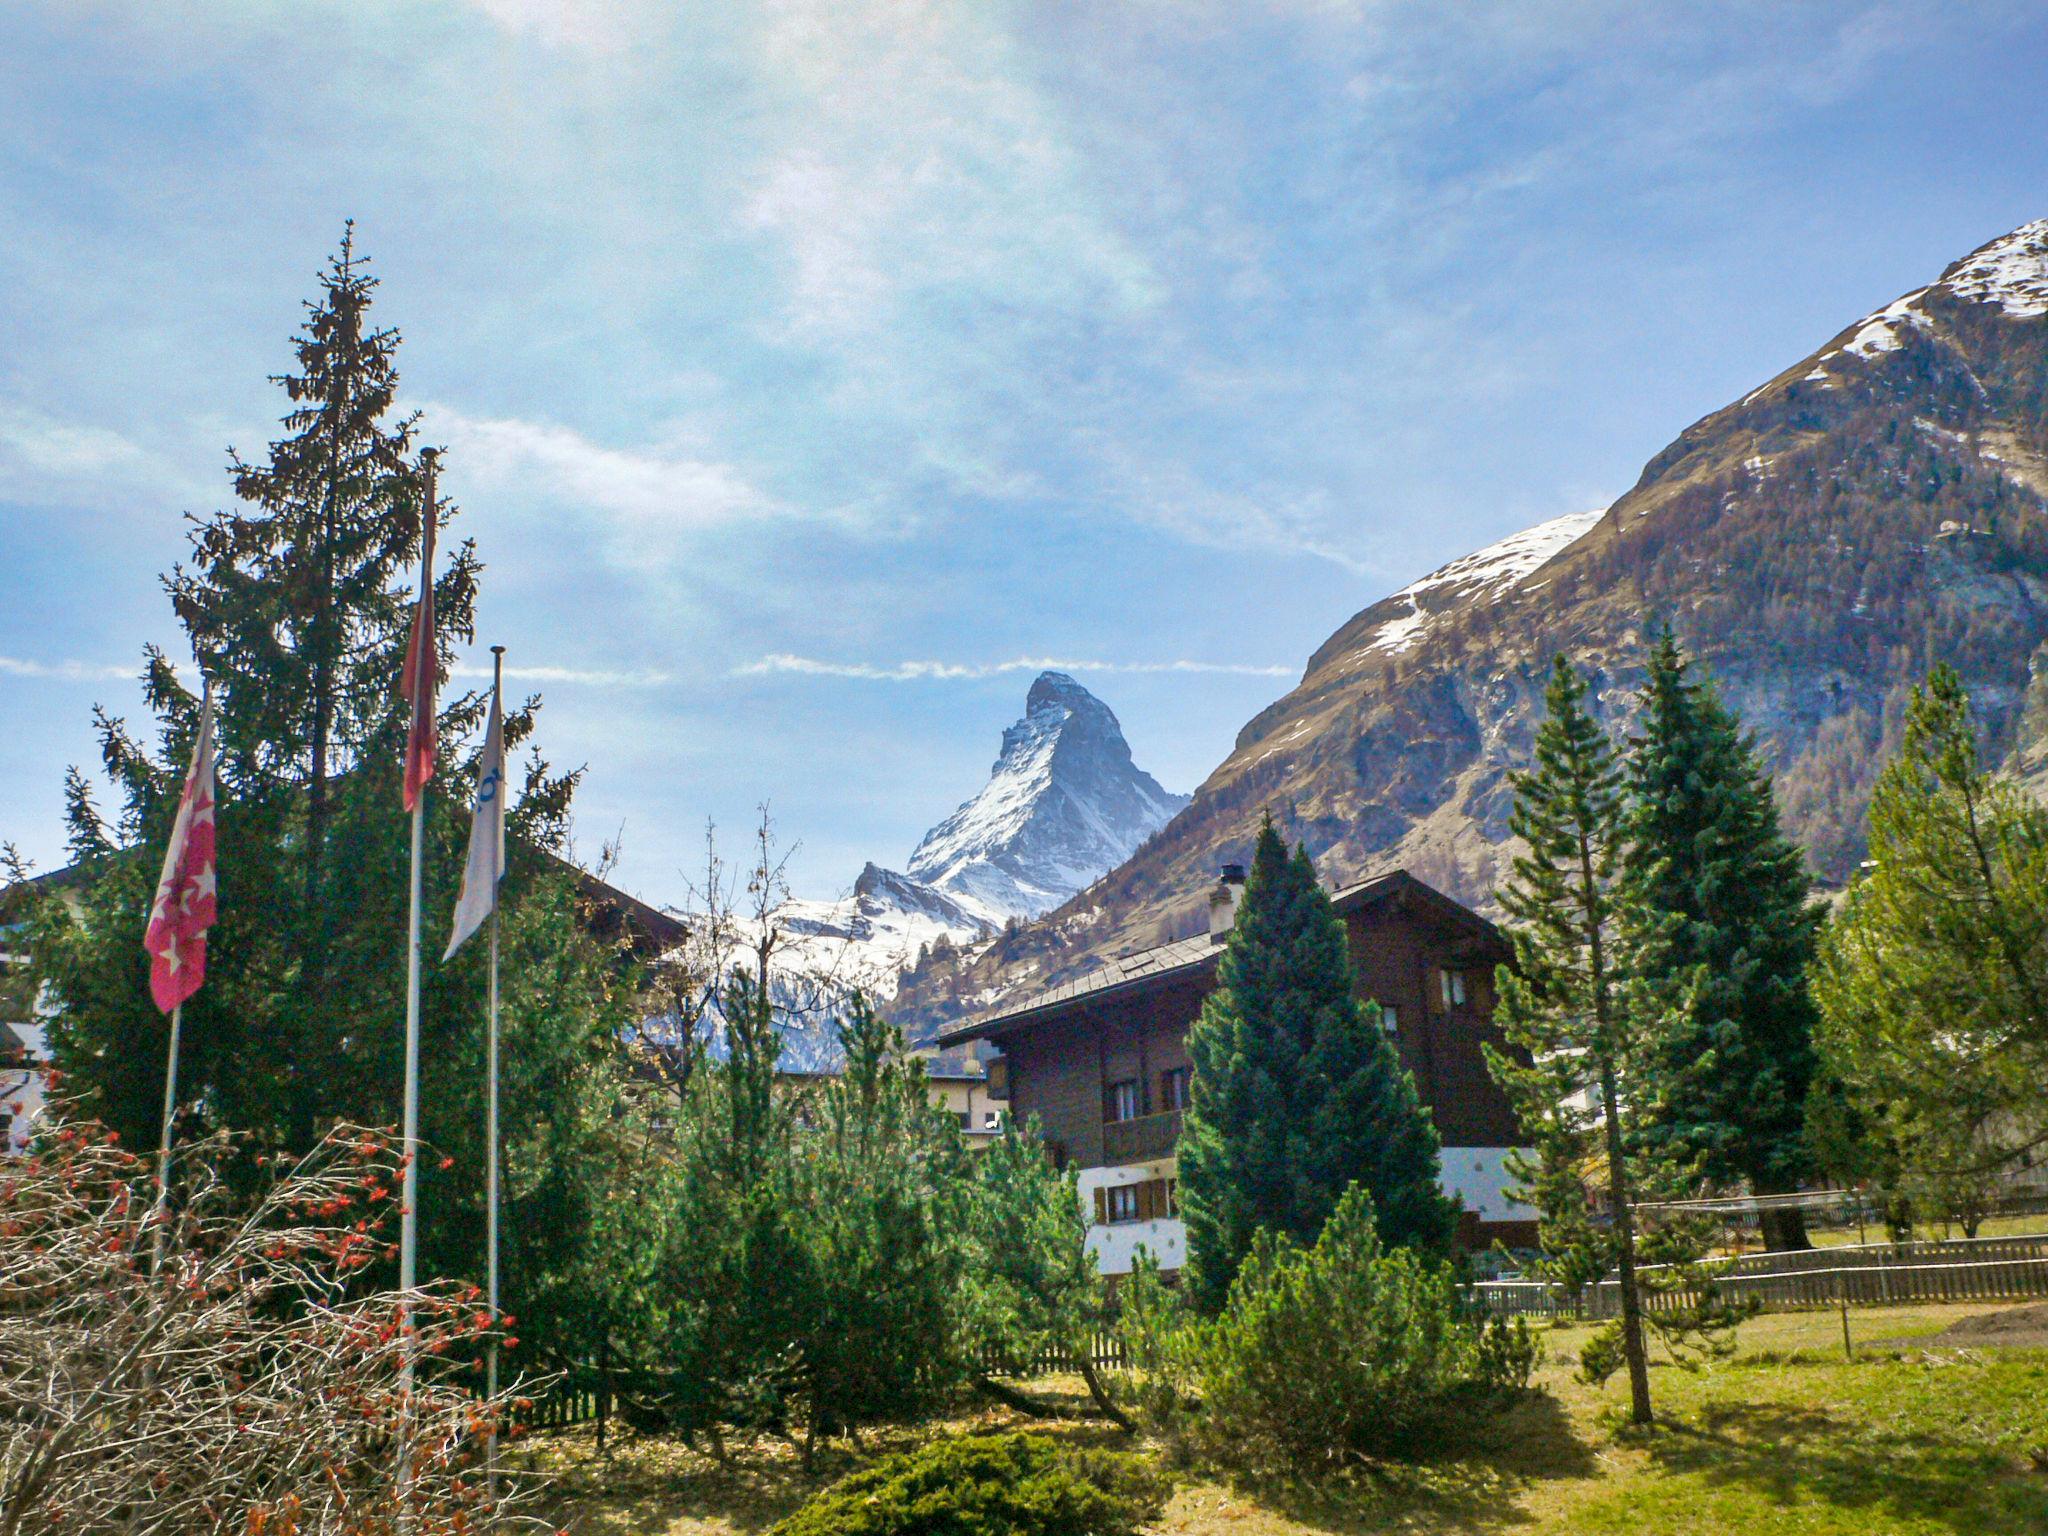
(1933, 981)
(1297, 1093)
(1564, 1004)
(1705, 853)
(296, 606)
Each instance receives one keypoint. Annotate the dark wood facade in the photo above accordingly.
(1095, 1061)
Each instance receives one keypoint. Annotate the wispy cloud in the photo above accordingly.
(45, 458)
(955, 671)
(586, 677)
(652, 492)
(67, 671)
(918, 155)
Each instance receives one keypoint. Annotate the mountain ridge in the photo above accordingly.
(1879, 503)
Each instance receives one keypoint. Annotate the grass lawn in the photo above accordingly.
(1992, 1226)
(1914, 1436)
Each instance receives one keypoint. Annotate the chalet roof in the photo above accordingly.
(1147, 969)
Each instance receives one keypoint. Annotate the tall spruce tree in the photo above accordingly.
(296, 605)
(1705, 851)
(1933, 979)
(1297, 1093)
(1565, 1003)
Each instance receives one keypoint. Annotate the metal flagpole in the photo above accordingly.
(408, 1213)
(491, 1143)
(163, 1155)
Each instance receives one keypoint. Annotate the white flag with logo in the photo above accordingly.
(486, 866)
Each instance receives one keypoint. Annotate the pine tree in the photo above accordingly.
(1297, 1093)
(1705, 851)
(1564, 1004)
(1933, 979)
(296, 605)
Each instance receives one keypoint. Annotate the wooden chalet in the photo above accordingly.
(1102, 1062)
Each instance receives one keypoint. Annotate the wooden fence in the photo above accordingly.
(1862, 1275)
(1106, 1353)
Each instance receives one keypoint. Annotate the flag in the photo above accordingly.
(422, 660)
(184, 905)
(486, 865)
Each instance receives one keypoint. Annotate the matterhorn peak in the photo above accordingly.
(1063, 803)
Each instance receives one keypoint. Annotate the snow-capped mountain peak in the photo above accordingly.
(1064, 802)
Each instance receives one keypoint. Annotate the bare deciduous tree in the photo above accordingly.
(236, 1376)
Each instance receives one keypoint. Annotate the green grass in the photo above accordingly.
(1913, 1437)
(1933, 1232)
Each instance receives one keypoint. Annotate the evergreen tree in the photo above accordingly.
(1564, 1004)
(1297, 1093)
(294, 608)
(1933, 981)
(1705, 851)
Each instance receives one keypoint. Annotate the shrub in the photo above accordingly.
(218, 1367)
(988, 1485)
(1344, 1349)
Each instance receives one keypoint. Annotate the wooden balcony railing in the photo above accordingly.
(1135, 1141)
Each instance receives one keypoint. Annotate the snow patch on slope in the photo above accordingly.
(1482, 574)
(2010, 273)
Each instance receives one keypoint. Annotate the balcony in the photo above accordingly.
(1142, 1139)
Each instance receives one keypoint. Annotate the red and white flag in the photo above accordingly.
(184, 905)
(422, 661)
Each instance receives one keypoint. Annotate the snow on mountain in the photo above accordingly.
(1472, 577)
(1063, 803)
(2010, 273)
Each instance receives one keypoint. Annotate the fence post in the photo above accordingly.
(1842, 1298)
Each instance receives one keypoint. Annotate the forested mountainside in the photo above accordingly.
(1879, 504)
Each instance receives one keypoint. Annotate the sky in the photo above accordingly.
(812, 372)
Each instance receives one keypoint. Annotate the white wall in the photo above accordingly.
(21, 1090)
(1115, 1247)
(1476, 1176)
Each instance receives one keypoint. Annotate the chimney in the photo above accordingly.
(1223, 902)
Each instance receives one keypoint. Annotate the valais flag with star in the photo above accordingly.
(422, 660)
(184, 905)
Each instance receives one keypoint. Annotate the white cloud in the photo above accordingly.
(588, 677)
(649, 493)
(67, 671)
(915, 154)
(952, 671)
(43, 458)
(604, 26)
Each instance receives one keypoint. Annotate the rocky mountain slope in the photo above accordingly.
(1063, 802)
(1880, 504)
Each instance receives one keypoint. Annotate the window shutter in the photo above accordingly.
(1102, 1207)
(1145, 1192)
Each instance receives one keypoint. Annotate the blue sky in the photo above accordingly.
(811, 370)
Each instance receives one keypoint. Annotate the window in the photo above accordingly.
(1121, 1202)
(1173, 1088)
(1390, 1018)
(1172, 1197)
(1454, 988)
(1123, 1099)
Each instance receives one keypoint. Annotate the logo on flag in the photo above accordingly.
(184, 905)
(422, 660)
(486, 864)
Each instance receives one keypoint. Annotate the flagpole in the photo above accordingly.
(491, 1149)
(408, 1212)
(163, 1155)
